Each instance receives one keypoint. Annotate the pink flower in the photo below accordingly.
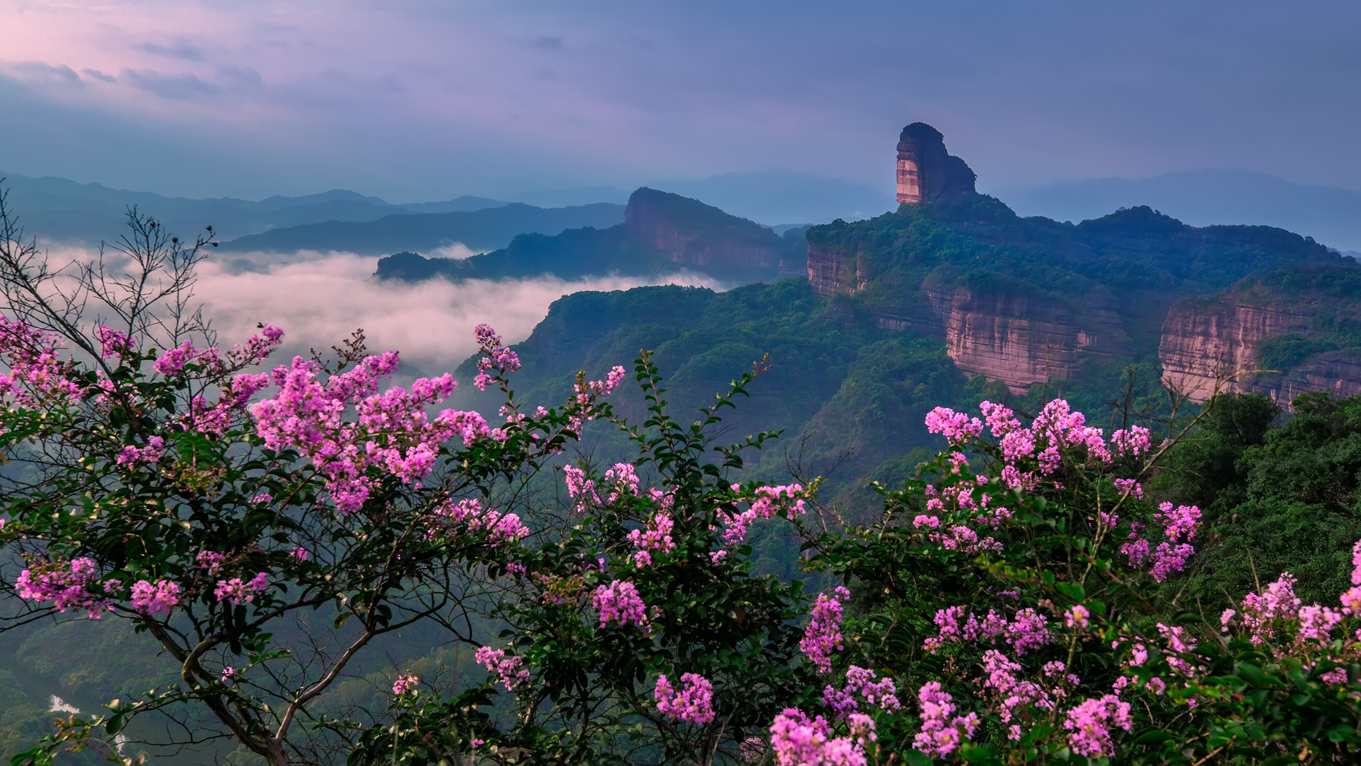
(619, 602)
(657, 537)
(860, 682)
(693, 703)
(507, 669)
(1077, 617)
(941, 734)
(147, 598)
(956, 427)
(1090, 723)
(823, 634)
(112, 342)
(68, 586)
(131, 455)
(227, 674)
(237, 592)
(404, 684)
(800, 741)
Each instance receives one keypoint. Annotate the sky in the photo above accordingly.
(431, 99)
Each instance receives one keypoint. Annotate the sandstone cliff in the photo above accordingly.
(1280, 333)
(1028, 300)
(926, 171)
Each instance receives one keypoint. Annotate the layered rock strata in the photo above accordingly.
(926, 171)
(1210, 346)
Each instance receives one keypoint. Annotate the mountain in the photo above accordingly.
(952, 301)
(478, 230)
(774, 198)
(1205, 197)
(661, 233)
(60, 210)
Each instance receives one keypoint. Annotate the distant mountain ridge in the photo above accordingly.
(1205, 197)
(57, 209)
(661, 233)
(485, 229)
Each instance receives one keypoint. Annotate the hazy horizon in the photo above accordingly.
(425, 101)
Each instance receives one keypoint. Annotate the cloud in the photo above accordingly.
(176, 86)
(319, 299)
(456, 251)
(39, 71)
(181, 50)
(98, 75)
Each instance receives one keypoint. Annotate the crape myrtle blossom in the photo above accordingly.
(942, 731)
(239, 592)
(655, 538)
(860, 685)
(68, 585)
(1171, 554)
(497, 358)
(149, 598)
(619, 602)
(1090, 723)
(36, 374)
(692, 703)
(798, 740)
(823, 636)
(132, 455)
(392, 432)
(764, 503)
(469, 515)
(508, 669)
(404, 684)
(112, 343)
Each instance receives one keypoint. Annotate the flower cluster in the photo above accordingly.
(132, 455)
(619, 602)
(496, 361)
(508, 669)
(860, 683)
(1027, 630)
(692, 703)
(798, 740)
(1090, 723)
(469, 515)
(657, 537)
(941, 733)
(765, 502)
(823, 636)
(238, 592)
(149, 598)
(1171, 554)
(68, 585)
(404, 684)
(36, 373)
(391, 433)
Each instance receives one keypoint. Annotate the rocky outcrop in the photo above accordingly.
(692, 233)
(1020, 340)
(926, 171)
(1213, 345)
(1208, 344)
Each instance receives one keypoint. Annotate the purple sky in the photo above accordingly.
(430, 100)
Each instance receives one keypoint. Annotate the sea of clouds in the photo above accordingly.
(320, 298)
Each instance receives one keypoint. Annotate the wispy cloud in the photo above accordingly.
(320, 298)
(181, 50)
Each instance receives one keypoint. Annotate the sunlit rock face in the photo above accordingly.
(1214, 344)
(926, 171)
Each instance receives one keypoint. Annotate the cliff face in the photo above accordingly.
(1296, 322)
(1205, 341)
(926, 171)
(1020, 340)
(691, 233)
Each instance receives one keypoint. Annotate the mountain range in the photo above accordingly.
(1203, 198)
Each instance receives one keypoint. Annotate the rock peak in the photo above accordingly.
(926, 171)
